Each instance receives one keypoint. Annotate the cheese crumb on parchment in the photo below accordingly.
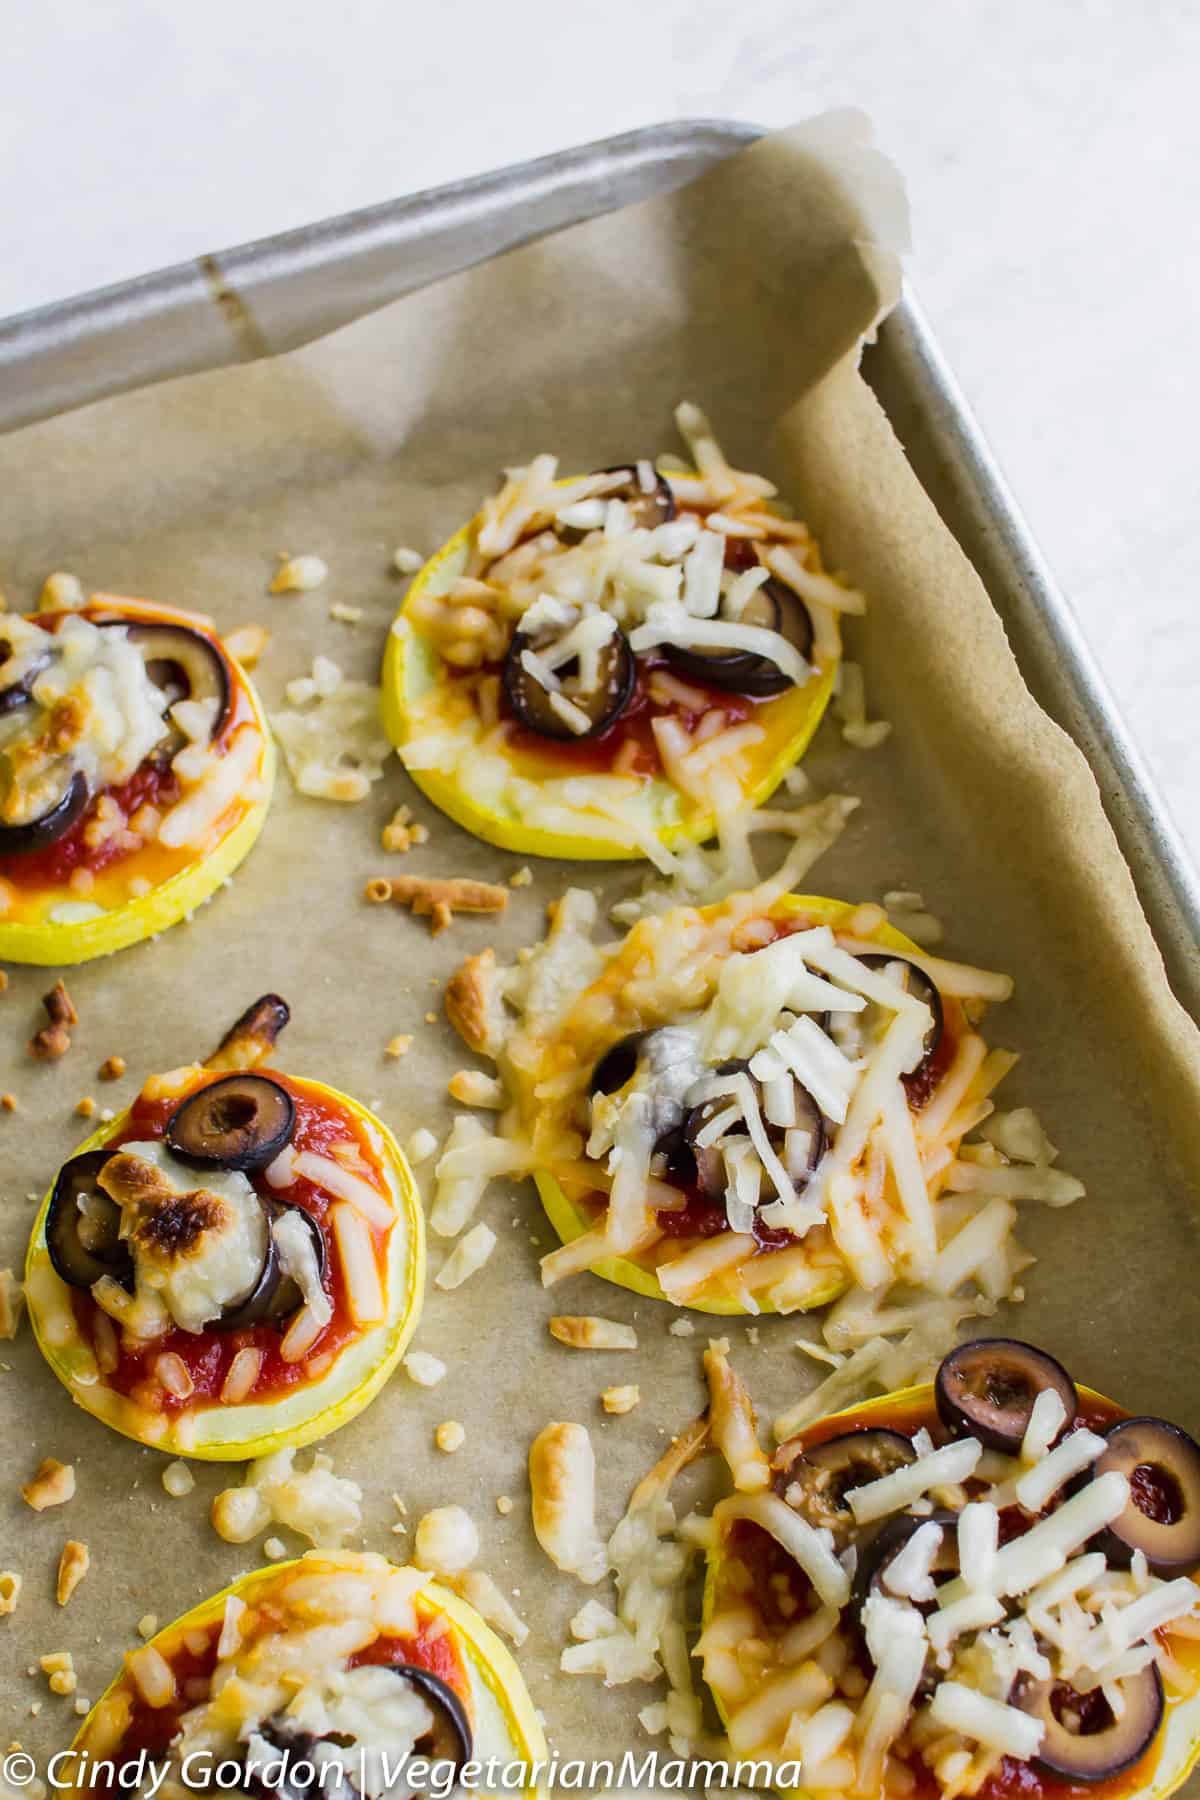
(590, 1333)
(178, 1480)
(446, 1540)
(424, 1368)
(313, 1502)
(52, 1485)
(73, 1565)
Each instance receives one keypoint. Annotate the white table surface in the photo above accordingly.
(1052, 153)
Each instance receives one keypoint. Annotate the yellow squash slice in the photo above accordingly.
(336, 1587)
(147, 888)
(343, 1367)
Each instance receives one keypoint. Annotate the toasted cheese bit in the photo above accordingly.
(86, 1107)
(10, 1591)
(9, 1102)
(731, 1419)
(52, 1485)
(54, 1039)
(60, 1667)
(590, 1333)
(399, 1046)
(247, 644)
(521, 878)
(438, 900)
(12, 1304)
(178, 1480)
(346, 615)
(470, 1087)
(239, 1514)
(401, 832)
(446, 1540)
(299, 574)
(73, 1565)
(62, 592)
(468, 1256)
(152, 1675)
(421, 1146)
(621, 1399)
(450, 1436)
(504, 1505)
(112, 1068)
(562, 1480)
(423, 1368)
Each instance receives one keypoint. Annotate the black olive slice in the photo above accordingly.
(239, 1122)
(37, 834)
(774, 607)
(83, 1226)
(917, 983)
(986, 1390)
(711, 1167)
(618, 1064)
(1162, 1519)
(448, 1741)
(286, 1298)
(255, 1305)
(298, 1762)
(1083, 1740)
(646, 510)
(449, 1738)
(183, 662)
(880, 1551)
(603, 706)
(15, 694)
(815, 1482)
(274, 1297)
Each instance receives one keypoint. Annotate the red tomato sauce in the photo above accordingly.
(154, 784)
(320, 1123)
(597, 755)
(151, 1729)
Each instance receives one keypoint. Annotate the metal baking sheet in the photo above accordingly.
(170, 996)
(269, 296)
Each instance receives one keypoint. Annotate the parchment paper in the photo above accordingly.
(749, 292)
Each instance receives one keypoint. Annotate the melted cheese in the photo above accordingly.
(198, 1241)
(94, 709)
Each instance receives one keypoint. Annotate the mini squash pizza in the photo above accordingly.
(982, 1586)
(747, 1107)
(135, 773)
(603, 666)
(338, 1675)
(233, 1265)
